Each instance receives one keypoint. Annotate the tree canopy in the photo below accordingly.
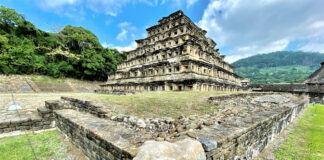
(73, 52)
(279, 67)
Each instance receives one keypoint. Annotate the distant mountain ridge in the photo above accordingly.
(279, 67)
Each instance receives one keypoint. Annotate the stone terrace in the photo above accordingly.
(243, 126)
(241, 131)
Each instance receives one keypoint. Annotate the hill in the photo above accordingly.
(73, 52)
(279, 67)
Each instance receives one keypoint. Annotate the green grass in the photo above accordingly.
(47, 79)
(307, 139)
(157, 104)
(47, 145)
(1, 81)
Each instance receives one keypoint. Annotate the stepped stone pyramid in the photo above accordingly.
(175, 56)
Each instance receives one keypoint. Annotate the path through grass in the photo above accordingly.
(306, 142)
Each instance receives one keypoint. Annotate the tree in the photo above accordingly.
(9, 17)
(73, 52)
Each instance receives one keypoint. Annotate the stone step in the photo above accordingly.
(98, 138)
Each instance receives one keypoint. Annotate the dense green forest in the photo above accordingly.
(73, 52)
(279, 67)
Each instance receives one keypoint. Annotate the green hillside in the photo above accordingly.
(73, 52)
(279, 67)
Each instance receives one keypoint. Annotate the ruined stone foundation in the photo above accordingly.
(240, 131)
(176, 56)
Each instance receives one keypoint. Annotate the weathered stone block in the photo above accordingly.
(208, 144)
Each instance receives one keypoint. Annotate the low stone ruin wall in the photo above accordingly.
(229, 135)
(90, 135)
(14, 83)
(244, 125)
(13, 121)
(85, 106)
(315, 91)
(25, 84)
(317, 98)
(98, 138)
(245, 138)
(280, 87)
(219, 98)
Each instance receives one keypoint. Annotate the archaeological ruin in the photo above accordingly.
(176, 56)
(241, 130)
(313, 85)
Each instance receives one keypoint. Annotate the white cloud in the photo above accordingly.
(132, 46)
(233, 58)
(122, 36)
(150, 2)
(179, 3)
(191, 2)
(105, 45)
(57, 3)
(314, 45)
(260, 26)
(108, 7)
(125, 27)
(124, 24)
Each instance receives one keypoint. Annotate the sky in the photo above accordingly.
(241, 28)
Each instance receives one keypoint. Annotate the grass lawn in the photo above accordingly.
(47, 145)
(157, 104)
(307, 139)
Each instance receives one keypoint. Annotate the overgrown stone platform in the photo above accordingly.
(243, 126)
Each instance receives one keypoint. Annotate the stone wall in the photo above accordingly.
(90, 137)
(15, 83)
(248, 137)
(13, 121)
(225, 136)
(25, 84)
(315, 91)
(86, 106)
(241, 130)
(316, 97)
(284, 87)
(98, 138)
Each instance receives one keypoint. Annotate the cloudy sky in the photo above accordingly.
(240, 28)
